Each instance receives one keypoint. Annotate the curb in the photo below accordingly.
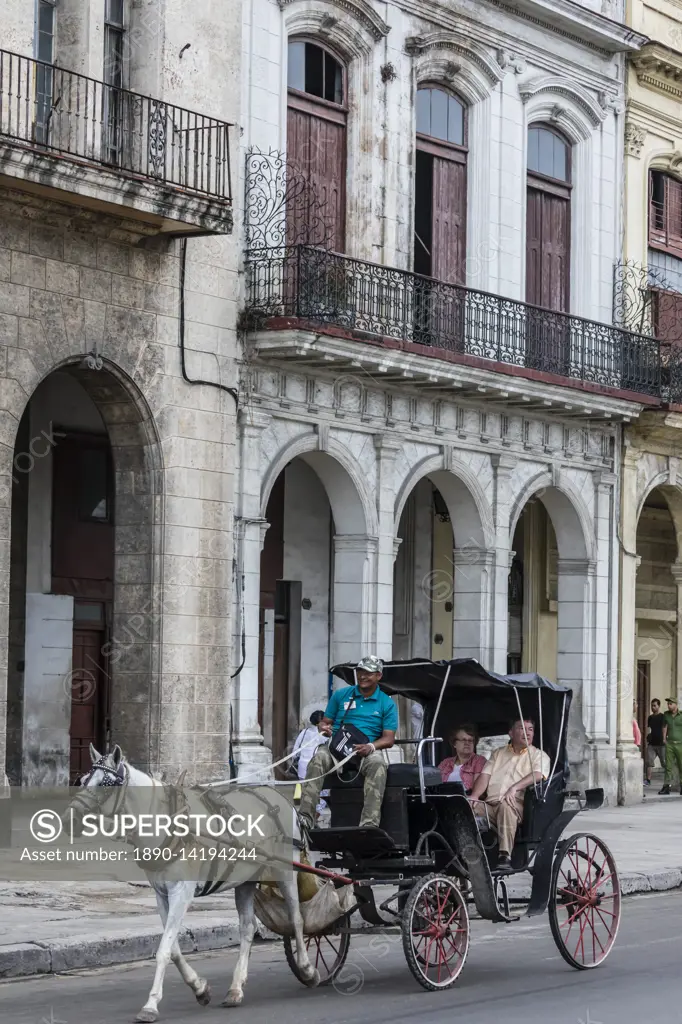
(76, 953)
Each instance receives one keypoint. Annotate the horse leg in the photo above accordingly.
(289, 889)
(243, 898)
(199, 985)
(176, 898)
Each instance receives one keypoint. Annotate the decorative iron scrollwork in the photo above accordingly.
(283, 205)
(157, 137)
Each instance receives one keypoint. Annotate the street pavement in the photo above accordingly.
(71, 926)
(513, 973)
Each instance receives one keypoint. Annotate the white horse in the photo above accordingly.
(174, 898)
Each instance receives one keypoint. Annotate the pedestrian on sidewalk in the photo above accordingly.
(655, 745)
(672, 737)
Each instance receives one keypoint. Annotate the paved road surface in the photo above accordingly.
(513, 975)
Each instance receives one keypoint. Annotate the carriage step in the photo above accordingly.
(364, 842)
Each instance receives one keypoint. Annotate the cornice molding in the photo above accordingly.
(459, 43)
(360, 10)
(659, 67)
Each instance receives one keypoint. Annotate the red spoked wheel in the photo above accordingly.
(327, 952)
(435, 927)
(585, 901)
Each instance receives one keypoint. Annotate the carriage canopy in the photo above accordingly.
(486, 699)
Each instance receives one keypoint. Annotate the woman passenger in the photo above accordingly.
(466, 765)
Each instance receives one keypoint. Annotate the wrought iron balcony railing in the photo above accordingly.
(314, 284)
(49, 109)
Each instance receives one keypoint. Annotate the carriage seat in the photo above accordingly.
(400, 774)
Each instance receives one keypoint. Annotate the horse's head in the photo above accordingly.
(107, 769)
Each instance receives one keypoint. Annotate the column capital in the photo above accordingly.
(504, 463)
(253, 419)
(577, 566)
(605, 481)
(387, 445)
(355, 542)
(676, 572)
(473, 556)
(397, 541)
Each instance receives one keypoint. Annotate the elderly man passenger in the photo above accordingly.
(465, 765)
(503, 782)
(371, 711)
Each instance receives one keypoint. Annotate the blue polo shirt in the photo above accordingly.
(372, 715)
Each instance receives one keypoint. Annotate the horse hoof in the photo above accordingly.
(233, 999)
(313, 981)
(146, 1017)
(203, 997)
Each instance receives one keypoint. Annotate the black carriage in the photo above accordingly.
(439, 860)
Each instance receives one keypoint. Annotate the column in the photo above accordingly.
(504, 466)
(386, 450)
(248, 749)
(575, 648)
(629, 759)
(355, 557)
(472, 633)
(676, 570)
(534, 563)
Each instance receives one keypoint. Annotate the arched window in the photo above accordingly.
(316, 144)
(548, 219)
(440, 185)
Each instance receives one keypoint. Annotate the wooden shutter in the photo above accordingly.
(673, 213)
(316, 150)
(667, 317)
(547, 250)
(449, 221)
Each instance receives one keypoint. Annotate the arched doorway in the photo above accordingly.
(550, 531)
(83, 616)
(657, 651)
(316, 567)
(533, 594)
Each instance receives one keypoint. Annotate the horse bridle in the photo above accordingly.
(112, 776)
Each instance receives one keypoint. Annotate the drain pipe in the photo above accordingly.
(209, 383)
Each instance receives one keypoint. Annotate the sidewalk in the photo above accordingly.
(44, 929)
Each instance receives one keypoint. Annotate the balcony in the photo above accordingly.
(75, 139)
(305, 287)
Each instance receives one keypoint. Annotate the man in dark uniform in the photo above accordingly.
(672, 737)
(655, 747)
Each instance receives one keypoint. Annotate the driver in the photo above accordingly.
(503, 780)
(373, 712)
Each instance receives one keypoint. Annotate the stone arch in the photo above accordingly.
(570, 516)
(353, 27)
(470, 512)
(131, 656)
(581, 112)
(673, 496)
(352, 507)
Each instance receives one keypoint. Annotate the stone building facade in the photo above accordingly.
(430, 465)
(118, 302)
(649, 296)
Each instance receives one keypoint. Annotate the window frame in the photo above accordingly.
(121, 29)
(544, 182)
(307, 101)
(663, 239)
(442, 147)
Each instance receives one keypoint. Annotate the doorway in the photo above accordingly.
(643, 699)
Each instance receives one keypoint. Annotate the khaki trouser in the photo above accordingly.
(505, 818)
(373, 770)
(673, 759)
